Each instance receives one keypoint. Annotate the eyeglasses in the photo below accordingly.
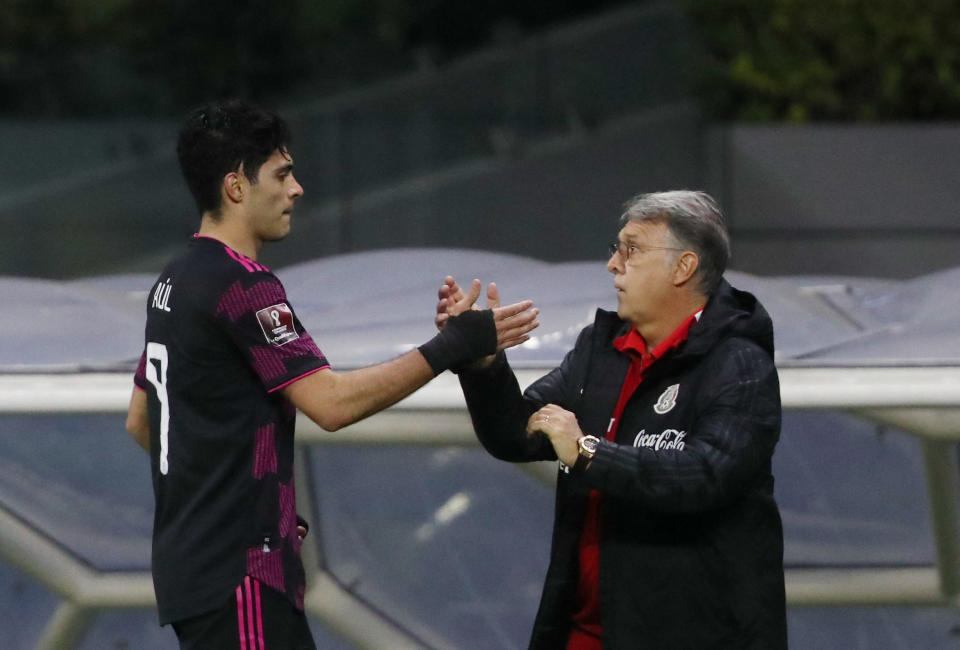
(627, 250)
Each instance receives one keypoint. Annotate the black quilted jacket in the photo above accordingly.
(691, 551)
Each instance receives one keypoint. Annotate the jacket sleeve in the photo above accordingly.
(499, 412)
(728, 449)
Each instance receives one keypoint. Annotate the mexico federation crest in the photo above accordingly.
(277, 324)
(667, 400)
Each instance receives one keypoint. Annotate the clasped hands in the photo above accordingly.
(514, 323)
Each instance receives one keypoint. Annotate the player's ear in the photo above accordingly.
(233, 186)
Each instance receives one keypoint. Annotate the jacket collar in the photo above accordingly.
(729, 313)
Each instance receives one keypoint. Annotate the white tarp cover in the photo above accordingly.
(363, 308)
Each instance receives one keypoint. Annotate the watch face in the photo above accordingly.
(589, 444)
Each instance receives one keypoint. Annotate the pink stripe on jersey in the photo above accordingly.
(140, 376)
(247, 263)
(141, 372)
(240, 257)
(251, 625)
(240, 622)
(268, 361)
(287, 383)
(256, 595)
(267, 567)
(237, 301)
(287, 526)
(265, 451)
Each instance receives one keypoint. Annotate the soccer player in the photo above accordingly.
(226, 364)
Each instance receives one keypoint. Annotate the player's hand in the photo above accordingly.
(303, 527)
(452, 301)
(514, 322)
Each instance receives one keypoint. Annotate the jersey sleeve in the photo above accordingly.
(140, 376)
(259, 319)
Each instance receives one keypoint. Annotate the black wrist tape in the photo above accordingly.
(466, 337)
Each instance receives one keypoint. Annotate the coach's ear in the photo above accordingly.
(687, 264)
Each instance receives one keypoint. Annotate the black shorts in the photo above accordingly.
(255, 618)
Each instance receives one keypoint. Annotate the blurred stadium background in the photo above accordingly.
(493, 140)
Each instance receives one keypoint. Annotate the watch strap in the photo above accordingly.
(583, 457)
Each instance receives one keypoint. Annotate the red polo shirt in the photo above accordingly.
(585, 633)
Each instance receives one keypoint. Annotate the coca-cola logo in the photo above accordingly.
(668, 439)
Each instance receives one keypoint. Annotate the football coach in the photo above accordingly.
(664, 417)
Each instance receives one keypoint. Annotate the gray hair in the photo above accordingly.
(695, 221)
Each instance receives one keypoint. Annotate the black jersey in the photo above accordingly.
(221, 341)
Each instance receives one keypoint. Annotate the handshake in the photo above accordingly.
(469, 334)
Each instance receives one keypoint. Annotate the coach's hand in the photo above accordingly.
(561, 426)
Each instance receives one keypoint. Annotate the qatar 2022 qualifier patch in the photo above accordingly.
(276, 322)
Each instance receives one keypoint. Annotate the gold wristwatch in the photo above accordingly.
(588, 446)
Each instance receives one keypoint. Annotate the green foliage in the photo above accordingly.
(61, 58)
(36, 73)
(817, 60)
(115, 57)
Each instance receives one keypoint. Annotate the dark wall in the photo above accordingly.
(860, 200)
(848, 199)
(560, 201)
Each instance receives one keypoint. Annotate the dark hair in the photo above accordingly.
(222, 137)
(695, 221)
